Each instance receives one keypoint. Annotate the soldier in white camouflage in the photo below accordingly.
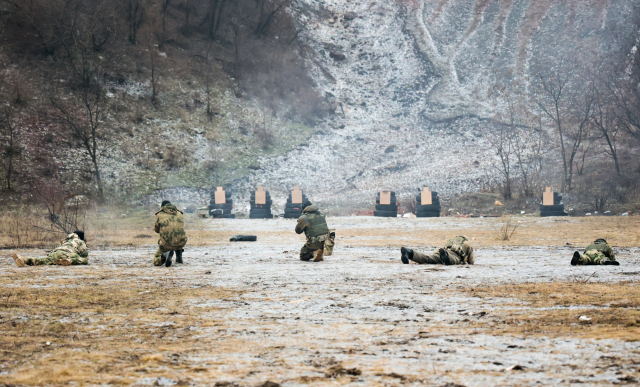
(314, 225)
(72, 251)
(170, 226)
(457, 251)
(597, 253)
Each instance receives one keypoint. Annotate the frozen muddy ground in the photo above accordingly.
(361, 308)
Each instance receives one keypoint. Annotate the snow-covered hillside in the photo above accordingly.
(410, 82)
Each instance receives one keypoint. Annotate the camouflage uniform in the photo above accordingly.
(72, 248)
(458, 249)
(597, 253)
(170, 226)
(314, 225)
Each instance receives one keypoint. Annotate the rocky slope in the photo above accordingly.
(411, 85)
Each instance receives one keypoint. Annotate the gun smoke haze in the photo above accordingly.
(344, 98)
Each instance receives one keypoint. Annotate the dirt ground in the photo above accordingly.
(250, 313)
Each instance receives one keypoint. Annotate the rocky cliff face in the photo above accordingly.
(411, 82)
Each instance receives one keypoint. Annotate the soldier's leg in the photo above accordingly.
(78, 260)
(48, 260)
(454, 258)
(310, 251)
(318, 253)
(306, 253)
(61, 258)
(432, 259)
(157, 258)
(594, 258)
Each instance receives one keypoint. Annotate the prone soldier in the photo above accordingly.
(597, 253)
(457, 251)
(72, 251)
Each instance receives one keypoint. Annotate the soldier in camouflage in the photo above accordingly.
(314, 225)
(72, 251)
(170, 226)
(597, 253)
(457, 251)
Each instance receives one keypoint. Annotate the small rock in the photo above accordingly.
(584, 318)
(207, 272)
(587, 214)
(269, 384)
(337, 55)
(390, 149)
(624, 214)
(350, 16)
(521, 212)
(516, 367)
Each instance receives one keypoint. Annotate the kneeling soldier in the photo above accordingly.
(72, 251)
(314, 225)
(597, 253)
(170, 226)
(456, 251)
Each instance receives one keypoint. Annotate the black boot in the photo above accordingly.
(169, 256)
(179, 256)
(406, 255)
(575, 259)
(613, 263)
(444, 256)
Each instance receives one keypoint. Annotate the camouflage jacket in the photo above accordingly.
(312, 223)
(170, 226)
(602, 246)
(461, 246)
(72, 244)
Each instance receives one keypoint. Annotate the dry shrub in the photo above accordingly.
(264, 136)
(408, 204)
(507, 230)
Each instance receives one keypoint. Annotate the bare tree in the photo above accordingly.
(155, 78)
(570, 111)
(606, 122)
(135, 11)
(82, 114)
(268, 9)
(10, 147)
(528, 149)
(213, 17)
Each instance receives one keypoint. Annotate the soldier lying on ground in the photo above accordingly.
(597, 253)
(72, 251)
(456, 251)
(314, 225)
(170, 226)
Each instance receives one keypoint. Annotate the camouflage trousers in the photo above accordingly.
(434, 258)
(592, 257)
(55, 256)
(313, 244)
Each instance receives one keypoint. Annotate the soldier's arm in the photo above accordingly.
(303, 222)
(157, 226)
(82, 250)
(609, 253)
(468, 253)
